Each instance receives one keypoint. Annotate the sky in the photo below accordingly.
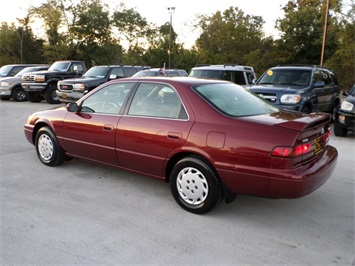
(156, 11)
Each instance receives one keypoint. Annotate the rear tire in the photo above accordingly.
(48, 149)
(195, 186)
(34, 96)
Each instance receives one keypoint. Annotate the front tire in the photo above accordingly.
(51, 94)
(18, 94)
(339, 131)
(195, 186)
(48, 149)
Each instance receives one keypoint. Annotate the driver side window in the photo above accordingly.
(108, 100)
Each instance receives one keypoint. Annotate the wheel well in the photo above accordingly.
(36, 129)
(177, 157)
(336, 102)
(14, 88)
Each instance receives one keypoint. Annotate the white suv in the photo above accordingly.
(241, 75)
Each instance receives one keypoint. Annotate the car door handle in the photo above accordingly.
(108, 127)
(174, 135)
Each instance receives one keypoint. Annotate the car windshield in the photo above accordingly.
(97, 72)
(298, 77)
(26, 70)
(234, 100)
(59, 66)
(5, 70)
(352, 91)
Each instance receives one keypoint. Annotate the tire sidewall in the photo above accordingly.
(214, 186)
(18, 94)
(57, 156)
(51, 95)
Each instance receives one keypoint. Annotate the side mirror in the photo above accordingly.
(345, 93)
(72, 107)
(112, 76)
(319, 84)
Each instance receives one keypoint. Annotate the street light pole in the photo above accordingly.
(324, 32)
(171, 10)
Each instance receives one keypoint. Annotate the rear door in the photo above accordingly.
(323, 95)
(156, 124)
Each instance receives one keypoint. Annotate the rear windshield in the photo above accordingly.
(234, 100)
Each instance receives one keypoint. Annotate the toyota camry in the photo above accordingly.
(210, 140)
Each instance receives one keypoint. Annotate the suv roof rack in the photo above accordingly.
(298, 65)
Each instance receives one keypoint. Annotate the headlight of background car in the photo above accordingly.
(290, 98)
(79, 87)
(40, 78)
(5, 84)
(346, 106)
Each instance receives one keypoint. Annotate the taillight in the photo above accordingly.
(292, 151)
(326, 136)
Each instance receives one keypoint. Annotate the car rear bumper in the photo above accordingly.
(278, 183)
(306, 179)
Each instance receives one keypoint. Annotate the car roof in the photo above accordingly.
(131, 66)
(180, 79)
(224, 67)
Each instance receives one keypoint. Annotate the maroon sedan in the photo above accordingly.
(210, 139)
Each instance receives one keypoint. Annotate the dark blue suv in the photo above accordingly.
(304, 88)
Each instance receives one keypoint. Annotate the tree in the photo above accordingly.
(302, 31)
(51, 13)
(228, 37)
(92, 32)
(18, 44)
(343, 59)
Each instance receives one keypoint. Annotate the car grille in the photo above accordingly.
(271, 97)
(66, 87)
(26, 78)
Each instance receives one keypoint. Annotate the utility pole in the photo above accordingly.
(325, 32)
(171, 10)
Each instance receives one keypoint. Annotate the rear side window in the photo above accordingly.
(130, 71)
(239, 78)
(118, 72)
(157, 100)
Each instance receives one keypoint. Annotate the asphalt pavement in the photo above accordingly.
(85, 214)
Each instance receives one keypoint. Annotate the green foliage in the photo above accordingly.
(18, 45)
(89, 30)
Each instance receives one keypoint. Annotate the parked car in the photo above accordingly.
(154, 72)
(210, 139)
(304, 88)
(10, 87)
(43, 84)
(345, 116)
(12, 70)
(241, 75)
(71, 90)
